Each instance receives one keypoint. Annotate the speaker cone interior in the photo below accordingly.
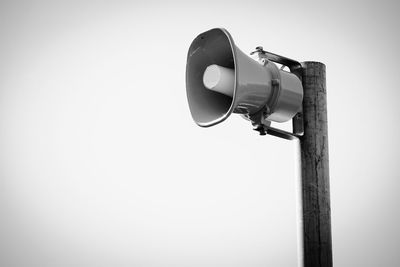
(214, 47)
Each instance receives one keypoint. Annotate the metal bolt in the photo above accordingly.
(264, 61)
(259, 49)
(275, 82)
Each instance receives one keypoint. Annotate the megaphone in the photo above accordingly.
(221, 80)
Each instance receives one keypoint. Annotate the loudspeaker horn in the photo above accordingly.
(221, 80)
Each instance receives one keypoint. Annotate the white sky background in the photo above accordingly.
(102, 165)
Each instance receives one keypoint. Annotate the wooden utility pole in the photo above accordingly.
(316, 237)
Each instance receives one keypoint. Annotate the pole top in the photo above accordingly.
(312, 63)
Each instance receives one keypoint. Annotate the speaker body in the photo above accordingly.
(257, 85)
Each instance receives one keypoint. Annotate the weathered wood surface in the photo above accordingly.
(317, 238)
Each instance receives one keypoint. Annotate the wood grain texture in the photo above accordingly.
(317, 238)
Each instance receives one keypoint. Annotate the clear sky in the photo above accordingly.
(102, 165)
